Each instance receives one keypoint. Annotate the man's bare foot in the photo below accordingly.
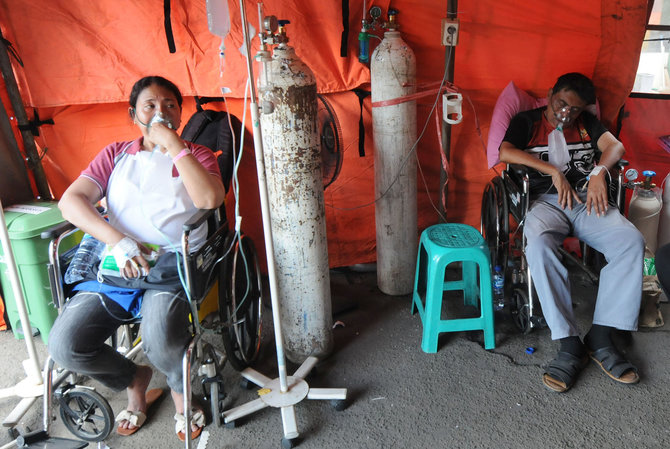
(136, 391)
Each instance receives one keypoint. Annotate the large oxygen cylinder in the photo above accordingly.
(295, 192)
(393, 75)
(644, 211)
(664, 220)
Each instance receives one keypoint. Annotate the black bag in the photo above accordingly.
(212, 129)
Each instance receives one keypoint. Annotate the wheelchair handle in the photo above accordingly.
(197, 219)
(57, 230)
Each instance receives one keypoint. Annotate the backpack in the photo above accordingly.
(212, 129)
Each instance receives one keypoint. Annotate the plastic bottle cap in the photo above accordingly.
(530, 350)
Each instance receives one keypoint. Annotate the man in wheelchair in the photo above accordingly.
(559, 144)
(152, 185)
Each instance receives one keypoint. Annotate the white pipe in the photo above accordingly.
(33, 371)
(265, 210)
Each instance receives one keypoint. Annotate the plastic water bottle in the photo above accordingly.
(498, 288)
(87, 255)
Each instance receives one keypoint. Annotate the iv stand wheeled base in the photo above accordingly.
(272, 396)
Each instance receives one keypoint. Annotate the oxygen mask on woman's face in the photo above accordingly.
(159, 117)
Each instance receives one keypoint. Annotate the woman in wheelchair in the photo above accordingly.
(152, 185)
(570, 196)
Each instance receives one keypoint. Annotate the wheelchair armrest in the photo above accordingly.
(197, 219)
(517, 173)
(57, 230)
(621, 163)
(518, 169)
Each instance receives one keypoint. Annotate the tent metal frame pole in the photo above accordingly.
(452, 7)
(285, 391)
(33, 158)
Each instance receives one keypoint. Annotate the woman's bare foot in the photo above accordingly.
(178, 399)
(136, 391)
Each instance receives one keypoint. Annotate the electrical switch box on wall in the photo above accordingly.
(450, 29)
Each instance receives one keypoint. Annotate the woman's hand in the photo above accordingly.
(167, 138)
(135, 268)
(128, 255)
(566, 194)
(596, 196)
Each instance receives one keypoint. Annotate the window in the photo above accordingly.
(653, 72)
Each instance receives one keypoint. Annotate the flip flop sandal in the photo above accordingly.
(197, 418)
(562, 372)
(615, 366)
(137, 418)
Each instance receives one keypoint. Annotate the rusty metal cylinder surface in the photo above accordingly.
(295, 190)
(393, 75)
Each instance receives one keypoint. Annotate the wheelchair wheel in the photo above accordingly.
(495, 221)
(521, 310)
(240, 303)
(86, 414)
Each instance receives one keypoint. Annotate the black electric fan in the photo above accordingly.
(330, 136)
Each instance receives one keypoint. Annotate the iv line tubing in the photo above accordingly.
(265, 209)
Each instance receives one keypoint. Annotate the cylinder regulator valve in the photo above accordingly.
(266, 35)
(392, 24)
(648, 175)
(280, 37)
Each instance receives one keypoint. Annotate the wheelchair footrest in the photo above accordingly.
(538, 322)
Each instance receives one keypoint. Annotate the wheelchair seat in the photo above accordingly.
(505, 203)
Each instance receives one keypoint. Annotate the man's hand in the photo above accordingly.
(596, 195)
(566, 194)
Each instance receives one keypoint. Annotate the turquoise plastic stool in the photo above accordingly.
(439, 246)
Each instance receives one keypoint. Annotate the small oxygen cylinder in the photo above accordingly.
(644, 210)
(664, 220)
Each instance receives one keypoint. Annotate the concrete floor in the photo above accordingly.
(401, 397)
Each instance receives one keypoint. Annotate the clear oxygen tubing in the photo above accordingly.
(265, 209)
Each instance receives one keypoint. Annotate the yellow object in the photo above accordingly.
(263, 391)
(210, 303)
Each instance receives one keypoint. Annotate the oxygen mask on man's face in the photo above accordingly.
(563, 115)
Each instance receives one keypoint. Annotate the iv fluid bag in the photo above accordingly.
(218, 17)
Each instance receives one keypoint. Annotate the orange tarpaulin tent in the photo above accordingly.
(80, 59)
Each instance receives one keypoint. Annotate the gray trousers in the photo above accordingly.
(620, 288)
(77, 338)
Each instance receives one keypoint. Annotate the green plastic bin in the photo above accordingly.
(25, 222)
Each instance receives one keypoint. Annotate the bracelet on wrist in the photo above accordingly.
(181, 154)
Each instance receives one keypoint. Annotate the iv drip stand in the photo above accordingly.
(32, 387)
(285, 391)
